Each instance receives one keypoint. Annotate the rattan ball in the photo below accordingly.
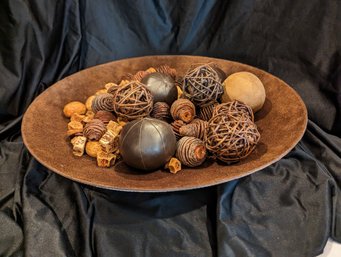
(133, 101)
(202, 85)
(234, 108)
(231, 138)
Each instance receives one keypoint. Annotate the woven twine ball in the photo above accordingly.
(234, 108)
(202, 85)
(231, 138)
(133, 101)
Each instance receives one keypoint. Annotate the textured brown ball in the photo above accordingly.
(202, 85)
(234, 108)
(231, 138)
(94, 129)
(176, 125)
(197, 128)
(183, 109)
(105, 116)
(74, 107)
(147, 144)
(133, 101)
(161, 111)
(191, 151)
(206, 112)
(103, 102)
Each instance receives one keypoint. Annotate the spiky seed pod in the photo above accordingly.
(183, 109)
(167, 70)
(94, 129)
(103, 102)
(191, 151)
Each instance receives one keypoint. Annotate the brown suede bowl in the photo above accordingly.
(281, 122)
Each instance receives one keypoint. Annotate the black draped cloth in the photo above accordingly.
(288, 209)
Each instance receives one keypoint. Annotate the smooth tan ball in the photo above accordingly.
(92, 148)
(74, 107)
(244, 87)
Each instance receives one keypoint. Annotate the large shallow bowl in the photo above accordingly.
(281, 122)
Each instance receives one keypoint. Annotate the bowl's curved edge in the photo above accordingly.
(170, 189)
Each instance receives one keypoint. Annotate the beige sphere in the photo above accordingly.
(244, 87)
(74, 107)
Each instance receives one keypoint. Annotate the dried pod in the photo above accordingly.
(183, 109)
(165, 69)
(197, 128)
(105, 160)
(191, 151)
(77, 117)
(105, 116)
(89, 116)
(75, 125)
(206, 112)
(151, 70)
(101, 91)
(94, 129)
(133, 101)
(110, 85)
(112, 90)
(92, 148)
(140, 75)
(202, 85)
(174, 165)
(74, 107)
(114, 127)
(103, 102)
(234, 108)
(88, 102)
(176, 125)
(74, 132)
(161, 111)
(78, 144)
(109, 142)
(230, 137)
(180, 92)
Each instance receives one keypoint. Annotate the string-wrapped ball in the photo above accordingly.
(176, 125)
(133, 101)
(191, 151)
(183, 109)
(94, 129)
(234, 108)
(206, 112)
(161, 111)
(103, 102)
(202, 85)
(231, 138)
(197, 128)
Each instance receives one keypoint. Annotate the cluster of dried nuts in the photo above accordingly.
(202, 125)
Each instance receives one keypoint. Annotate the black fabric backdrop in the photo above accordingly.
(287, 209)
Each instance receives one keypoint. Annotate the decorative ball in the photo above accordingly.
(94, 129)
(165, 69)
(161, 111)
(183, 109)
(231, 138)
(176, 125)
(103, 102)
(191, 151)
(105, 116)
(244, 87)
(234, 108)
(74, 107)
(133, 101)
(161, 86)
(147, 144)
(197, 128)
(202, 85)
(220, 73)
(206, 112)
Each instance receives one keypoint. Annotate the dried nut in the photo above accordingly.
(174, 165)
(74, 107)
(88, 102)
(122, 123)
(78, 143)
(75, 125)
(161, 111)
(105, 160)
(103, 102)
(101, 91)
(183, 109)
(105, 116)
(109, 142)
(191, 151)
(176, 125)
(109, 85)
(92, 148)
(77, 117)
(94, 130)
(151, 70)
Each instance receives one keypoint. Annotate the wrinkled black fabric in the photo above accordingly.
(288, 209)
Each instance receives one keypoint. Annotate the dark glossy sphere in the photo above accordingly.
(147, 144)
(162, 87)
(221, 73)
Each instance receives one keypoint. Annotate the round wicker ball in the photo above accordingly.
(234, 108)
(231, 138)
(202, 85)
(133, 101)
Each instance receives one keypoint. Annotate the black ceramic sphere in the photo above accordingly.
(147, 144)
(162, 87)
